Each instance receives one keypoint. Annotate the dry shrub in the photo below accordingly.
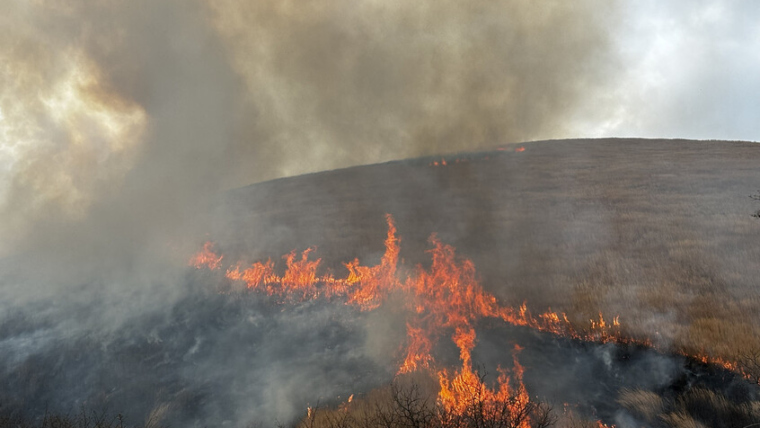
(570, 419)
(680, 420)
(644, 405)
(409, 404)
(696, 408)
(157, 415)
(716, 410)
(749, 363)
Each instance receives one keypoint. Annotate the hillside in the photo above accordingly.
(658, 231)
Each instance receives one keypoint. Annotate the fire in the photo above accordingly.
(363, 286)
(444, 299)
(418, 353)
(370, 285)
(301, 275)
(465, 385)
(720, 362)
(444, 162)
(472, 157)
(206, 258)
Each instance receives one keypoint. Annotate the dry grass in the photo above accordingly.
(696, 408)
(410, 402)
(644, 405)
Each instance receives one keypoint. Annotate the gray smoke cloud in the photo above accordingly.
(121, 122)
(123, 117)
(337, 83)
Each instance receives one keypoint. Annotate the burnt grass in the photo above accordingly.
(205, 361)
(595, 378)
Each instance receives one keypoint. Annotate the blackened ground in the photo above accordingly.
(216, 358)
(211, 358)
(591, 376)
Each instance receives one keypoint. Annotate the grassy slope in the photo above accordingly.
(657, 231)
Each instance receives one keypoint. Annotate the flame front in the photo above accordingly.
(444, 299)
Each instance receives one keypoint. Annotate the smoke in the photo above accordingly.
(122, 122)
(338, 83)
(114, 121)
(129, 115)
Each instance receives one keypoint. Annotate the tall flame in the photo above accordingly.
(459, 391)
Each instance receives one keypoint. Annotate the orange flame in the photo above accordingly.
(465, 385)
(444, 299)
(206, 258)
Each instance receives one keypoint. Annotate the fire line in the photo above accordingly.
(444, 298)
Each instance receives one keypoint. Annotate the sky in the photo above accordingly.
(689, 72)
(117, 118)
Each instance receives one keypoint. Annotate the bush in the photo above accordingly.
(405, 404)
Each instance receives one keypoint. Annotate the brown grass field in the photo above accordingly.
(659, 232)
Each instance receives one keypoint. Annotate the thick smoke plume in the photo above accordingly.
(131, 113)
(345, 82)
